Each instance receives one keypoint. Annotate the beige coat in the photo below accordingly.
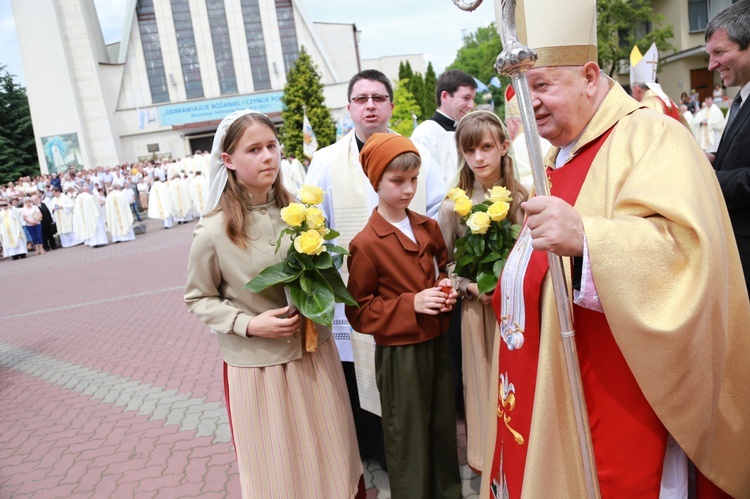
(217, 273)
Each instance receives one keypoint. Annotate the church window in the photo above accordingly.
(217, 20)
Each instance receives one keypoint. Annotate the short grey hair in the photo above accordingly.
(736, 21)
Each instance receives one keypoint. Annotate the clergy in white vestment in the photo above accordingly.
(708, 125)
(159, 204)
(62, 208)
(454, 95)
(179, 195)
(88, 220)
(11, 231)
(119, 216)
(198, 189)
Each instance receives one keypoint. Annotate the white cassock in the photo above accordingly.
(11, 232)
(708, 135)
(88, 220)
(198, 188)
(62, 207)
(119, 217)
(180, 198)
(159, 205)
(442, 146)
(522, 161)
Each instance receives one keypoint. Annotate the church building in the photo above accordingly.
(179, 68)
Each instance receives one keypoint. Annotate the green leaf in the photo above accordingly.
(283, 233)
(476, 242)
(332, 234)
(480, 207)
(338, 260)
(337, 249)
(340, 292)
(497, 267)
(465, 260)
(275, 274)
(323, 260)
(489, 257)
(486, 282)
(515, 231)
(314, 298)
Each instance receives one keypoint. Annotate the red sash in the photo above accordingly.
(628, 439)
(672, 110)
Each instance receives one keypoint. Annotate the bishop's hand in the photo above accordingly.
(555, 226)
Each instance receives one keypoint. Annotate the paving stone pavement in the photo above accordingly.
(109, 387)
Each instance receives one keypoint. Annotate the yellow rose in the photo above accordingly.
(479, 222)
(293, 215)
(323, 231)
(462, 206)
(456, 193)
(315, 218)
(309, 242)
(499, 193)
(498, 211)
(310, 194)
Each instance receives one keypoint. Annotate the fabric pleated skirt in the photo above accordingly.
(478, 330)
(293, 429)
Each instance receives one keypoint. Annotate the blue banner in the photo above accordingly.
(216, 109)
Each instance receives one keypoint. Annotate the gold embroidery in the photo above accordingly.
(507, 399)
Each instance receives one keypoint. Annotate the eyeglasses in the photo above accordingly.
(376, 98)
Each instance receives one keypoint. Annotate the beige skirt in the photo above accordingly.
(293, 429)
(478, 330)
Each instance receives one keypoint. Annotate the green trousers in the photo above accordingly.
(419, 420)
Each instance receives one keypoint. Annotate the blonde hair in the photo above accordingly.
(235, 202)
(469, 134)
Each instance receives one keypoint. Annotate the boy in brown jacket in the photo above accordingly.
(397, 275)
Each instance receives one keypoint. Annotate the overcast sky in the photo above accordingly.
(434, 28)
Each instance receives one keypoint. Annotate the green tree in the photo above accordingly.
(477, 58)
(621, 24)
(18, 156)
(428, 97)
(404, 71)
(416, 87)
(303, 92)
(404, 105)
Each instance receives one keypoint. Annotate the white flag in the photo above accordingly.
(309, 142)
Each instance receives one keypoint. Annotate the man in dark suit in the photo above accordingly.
(48, 224)
(728, 47)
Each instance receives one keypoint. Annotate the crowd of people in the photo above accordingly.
(100, 205)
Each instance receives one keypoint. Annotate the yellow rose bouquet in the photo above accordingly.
(481, 253)
(310, 269)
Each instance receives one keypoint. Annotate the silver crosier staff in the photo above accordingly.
(515, 60)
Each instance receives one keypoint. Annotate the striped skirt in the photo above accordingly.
(478, 330)
(293, 429)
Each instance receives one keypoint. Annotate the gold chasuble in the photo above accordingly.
(669, 354)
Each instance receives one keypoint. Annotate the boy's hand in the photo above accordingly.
(446, 286)
(432, 301)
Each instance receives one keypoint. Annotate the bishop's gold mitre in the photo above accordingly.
(562, 32)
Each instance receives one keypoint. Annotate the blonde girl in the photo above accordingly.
(483, 145)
